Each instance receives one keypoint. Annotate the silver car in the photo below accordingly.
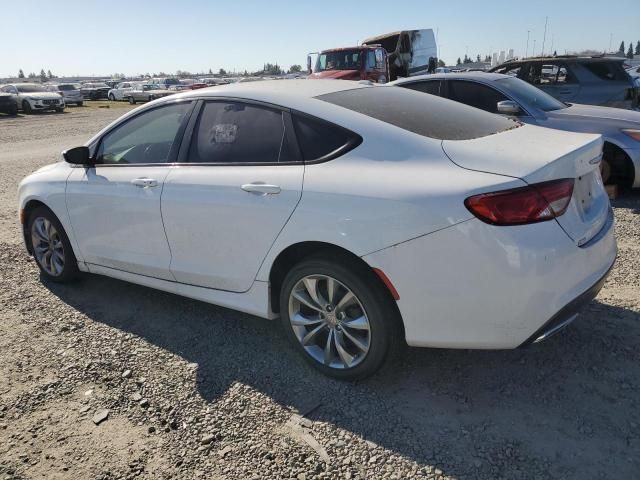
(146, 93)
(588, 80)
(516, 98)
(119, 92)
(69, 91)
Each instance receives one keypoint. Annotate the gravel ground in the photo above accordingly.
(181, 389)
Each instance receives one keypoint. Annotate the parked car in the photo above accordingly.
(32, 97)
(515, 98)
(454, 235)
(8, 103)
(587, 80)
(164, 83)
(634, 73)
(120, 91)
(69, 91)
(146, 92)
(94, 90)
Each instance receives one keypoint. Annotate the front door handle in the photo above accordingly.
(261, 188)
(144, 182)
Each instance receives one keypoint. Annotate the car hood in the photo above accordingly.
(595, 112)
(41, 95)
(337, 74)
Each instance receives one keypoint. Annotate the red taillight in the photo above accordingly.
(535, 203)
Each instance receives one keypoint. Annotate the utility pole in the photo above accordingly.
(534, 48)
(551, 49)
(610, 41)
(544, 38)
(526, 51)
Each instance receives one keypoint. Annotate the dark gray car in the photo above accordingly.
(513, 97)
(587, 80)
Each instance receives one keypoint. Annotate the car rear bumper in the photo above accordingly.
(474, 285)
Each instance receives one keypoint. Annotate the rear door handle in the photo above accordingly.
(262, 188)
(144, 182)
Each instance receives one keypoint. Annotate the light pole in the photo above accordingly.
(526, 51)
(544, 38)
(534, 48)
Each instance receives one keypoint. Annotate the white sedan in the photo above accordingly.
(359, 215)
(120, 91)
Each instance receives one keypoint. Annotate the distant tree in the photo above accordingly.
(630, 52)
(467, 59)
(621, 49)
(49, 74)
(20, 74)
(246, 74)
(487, 58)
(222, 72)
(638, 48)
(478, 58)
(295, 69)
(210, 72)
(32, 75)
(458, 62)
(555, 53)
(43, 76)
(162, 74)
(441, 63)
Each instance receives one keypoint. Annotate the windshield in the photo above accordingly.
(30, 88)
(528, 94)
(339, 60)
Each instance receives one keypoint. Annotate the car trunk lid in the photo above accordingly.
(536, 155)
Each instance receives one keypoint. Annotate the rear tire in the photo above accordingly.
(359, 334)
(132, 101)
(50, 246)
(26, 107)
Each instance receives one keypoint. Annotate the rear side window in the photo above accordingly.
(320, 140)
(606, 70)
(235, 132)
(425, 115)
(431, 87)
(476, 95)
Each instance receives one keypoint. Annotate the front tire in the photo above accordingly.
(338, 317)
(50, 246)
(111, 97)
(26, 107)
(132, 101)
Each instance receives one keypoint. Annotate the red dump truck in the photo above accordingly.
(380, 59)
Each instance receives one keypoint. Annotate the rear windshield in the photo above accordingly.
(67, 87)
(426, 115)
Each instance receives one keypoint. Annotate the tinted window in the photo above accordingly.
(233, 132)
(319, 139)
(146, 138)
(426, 115)
(606, 70)
(530, 94)
(475, 94)
(30, 88)
(66, 88)
(431, 87)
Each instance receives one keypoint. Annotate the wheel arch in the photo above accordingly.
(296, 252)
(25, 212)
(622, 167)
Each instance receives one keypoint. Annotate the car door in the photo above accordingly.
(562, 84)
(225, 206)
(114, 205)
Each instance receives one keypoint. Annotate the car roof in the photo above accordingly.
(561, 58)
(268, 90)
(482, 76)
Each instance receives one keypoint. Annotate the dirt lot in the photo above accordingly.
(196, 391)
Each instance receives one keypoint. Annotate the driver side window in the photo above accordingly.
(146, 138)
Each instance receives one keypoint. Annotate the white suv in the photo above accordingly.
(33, 97)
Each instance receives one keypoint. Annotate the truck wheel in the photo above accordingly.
(132, 100)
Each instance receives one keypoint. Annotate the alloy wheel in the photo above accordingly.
(329, 322)
(47, 246)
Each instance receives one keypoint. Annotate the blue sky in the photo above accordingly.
(138, 36)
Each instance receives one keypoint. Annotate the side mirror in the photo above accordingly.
(508, 107)
(309, 64)
(77, 156)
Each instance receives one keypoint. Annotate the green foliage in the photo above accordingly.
(20, 74)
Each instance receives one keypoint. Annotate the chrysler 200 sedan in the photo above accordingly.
(361, 216)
